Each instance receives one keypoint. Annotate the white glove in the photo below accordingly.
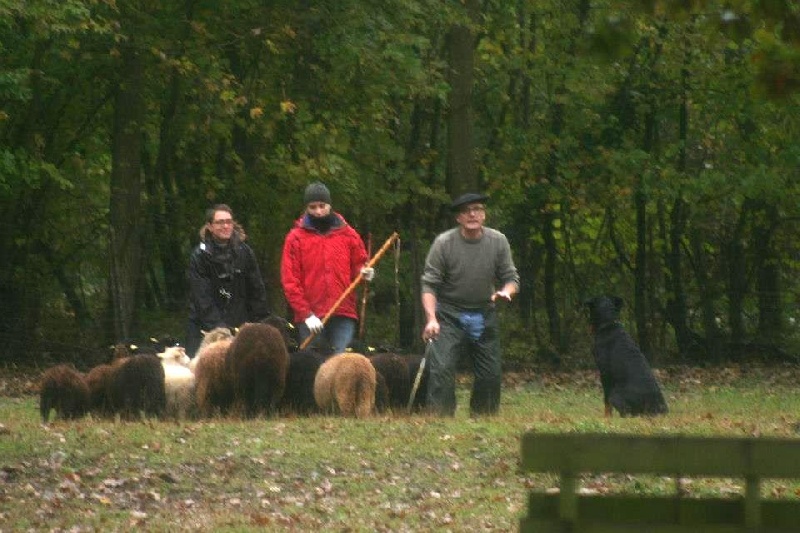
(314, 324)
(368, 273)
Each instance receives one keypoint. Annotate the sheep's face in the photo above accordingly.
(216, 334)
(176, 354)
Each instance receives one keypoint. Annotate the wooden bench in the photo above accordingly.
(570, 455)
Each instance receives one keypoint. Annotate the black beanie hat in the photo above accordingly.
(317, 192)
(468, 198)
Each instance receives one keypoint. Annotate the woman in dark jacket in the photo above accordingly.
(225, 284)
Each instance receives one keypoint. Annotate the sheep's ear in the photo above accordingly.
(153, 339)
(204, 332)
(235, 331)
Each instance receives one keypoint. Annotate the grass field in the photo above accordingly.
(388, 473)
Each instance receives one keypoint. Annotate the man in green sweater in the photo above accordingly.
(463, 270)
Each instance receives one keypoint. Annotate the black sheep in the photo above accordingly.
(395, 372)
(136, 386)
(298, 396)
(381, 393)
(421, 397)
(629, 385)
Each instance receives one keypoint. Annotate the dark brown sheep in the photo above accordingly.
(136, 387)
(99, 377)
(258, 362)
(64, 390)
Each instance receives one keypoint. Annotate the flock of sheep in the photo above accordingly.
(250, 373)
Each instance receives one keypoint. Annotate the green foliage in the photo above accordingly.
(578, 111)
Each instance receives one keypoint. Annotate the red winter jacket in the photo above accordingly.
(317, 268)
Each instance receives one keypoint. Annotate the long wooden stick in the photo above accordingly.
(418, 377)
(362, 317)
(353, 285)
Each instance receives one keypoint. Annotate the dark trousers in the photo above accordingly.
(484, 355)
(194, 336)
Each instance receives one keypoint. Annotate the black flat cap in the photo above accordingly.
(468, 198)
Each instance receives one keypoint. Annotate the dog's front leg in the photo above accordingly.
(609, 410)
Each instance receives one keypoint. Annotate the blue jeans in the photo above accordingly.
(336, 336)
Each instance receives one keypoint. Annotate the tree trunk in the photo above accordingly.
(737, 283)
(676, 290)
(768, 286)
(167, 205)
(126, 183)
(462, 175)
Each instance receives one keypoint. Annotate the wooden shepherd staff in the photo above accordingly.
(375, 258)
(363, 316)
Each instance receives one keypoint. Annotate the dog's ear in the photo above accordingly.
(618, 302)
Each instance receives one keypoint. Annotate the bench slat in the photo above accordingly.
(661, 455)
(662, 514)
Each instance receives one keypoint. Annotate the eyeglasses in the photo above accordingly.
(226, 222)
(473, 210)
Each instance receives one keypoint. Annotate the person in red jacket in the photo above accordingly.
(322, 255)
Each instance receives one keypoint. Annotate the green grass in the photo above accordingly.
(388, 473)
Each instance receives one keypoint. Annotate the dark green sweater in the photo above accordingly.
(466, 272)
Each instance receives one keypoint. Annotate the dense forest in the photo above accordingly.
(645, 149)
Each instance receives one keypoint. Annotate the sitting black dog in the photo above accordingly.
(629, 385)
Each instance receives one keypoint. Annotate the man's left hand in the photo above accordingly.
(505, 295)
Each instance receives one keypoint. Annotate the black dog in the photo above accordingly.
(629, 385)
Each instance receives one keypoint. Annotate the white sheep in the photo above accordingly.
(179, 382)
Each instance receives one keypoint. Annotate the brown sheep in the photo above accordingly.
(346, 384)
(64, 390)
(258, 362)
(213, 383)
